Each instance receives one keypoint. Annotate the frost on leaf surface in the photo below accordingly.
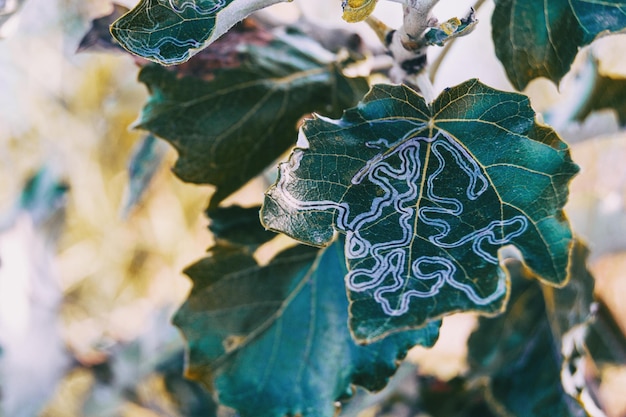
(172, 31)
(273, 340)
(425, 196)
(538, 38)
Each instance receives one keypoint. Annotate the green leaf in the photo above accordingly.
(240, 226)
(605, 92)
(172, 31)
(228, 124)
(143, 165)
(426, 195)
(274, 341)
(537, 38)
(605, 340)
(450, 29)
(521, 355)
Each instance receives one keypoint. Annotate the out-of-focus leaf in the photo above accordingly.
(172, 31)
(8, 8)
(535, 38)
(232, 124)
(190, 398)
(570, 306)
(357, 10)
(274, 341)
(520, 351)
(238, 225)
(606, 92)
(410, 394)
(450, 29)
(605, 340)
(426, 195)
(143, 164)
(34, 356)
(98, 37)
(131, 369)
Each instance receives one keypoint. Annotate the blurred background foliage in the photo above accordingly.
(89, 280)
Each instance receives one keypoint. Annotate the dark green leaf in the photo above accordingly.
(605, 92)
(605, 340)
(236, 121)
(171, 31)
(427, 195)
(236, 225)
(274, 341)
(521, 356)
(538, 38)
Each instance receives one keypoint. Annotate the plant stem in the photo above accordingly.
(426, 87)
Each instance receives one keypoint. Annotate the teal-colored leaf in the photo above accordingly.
(238, 226)
(538, 38)
(143, 165)
(228, 124)
(426, 196)
(172, 31)
(521, 356)
(274, 340)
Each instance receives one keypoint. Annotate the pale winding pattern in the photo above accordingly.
(146, 46)
(388, 272)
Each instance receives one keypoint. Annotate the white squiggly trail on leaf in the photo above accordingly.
(142, 44)
(390, 270)
(180, 6)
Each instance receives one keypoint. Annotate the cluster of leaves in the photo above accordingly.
(404, 201)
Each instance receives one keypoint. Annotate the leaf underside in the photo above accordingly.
(535, 38)
(426, 195)
(274, 341)
(230, 113)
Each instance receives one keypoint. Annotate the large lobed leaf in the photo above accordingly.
(172, 31)
(228, 124)
(539, 38)
(426, 196)
(274, 341)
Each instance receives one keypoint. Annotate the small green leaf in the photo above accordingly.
(143, 165)
(426, 196)
(274, 341)
(521, 355)
(240, 226)
(228, 124)
(172, 31)
(450, 29)
(605, 92)
(538, 38)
